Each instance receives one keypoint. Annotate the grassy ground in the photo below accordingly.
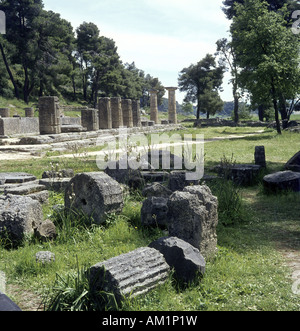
(248, 272)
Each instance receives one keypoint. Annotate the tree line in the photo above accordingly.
(263, 57)
(42, 54)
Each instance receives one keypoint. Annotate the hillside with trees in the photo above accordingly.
(42, 54)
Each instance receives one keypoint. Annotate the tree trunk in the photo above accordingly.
(275, 104)
(283, 112)
(198, 111)
(26, 86)
(17, 94)
(236, 109)
(261, 110)
(278, 126)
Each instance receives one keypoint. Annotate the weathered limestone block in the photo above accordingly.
(241, 174)
(4, 112)
(90, 119)
(282, 181)
(55, 184)
(127, 113)
(25, 189)
(153, 107)
(193, 217)
(177, 181)
(117, 113)
(29, 112)
(105, 114)
(156, 190)
(46, 231)
(44, 257)
(49, 115)
(17, 177)
(136, 113)
(172, 105)
(260, 156)
(130, 274)
(96, 194)
(19, 216)
(155, 212)
(294, 163)
(180, 255)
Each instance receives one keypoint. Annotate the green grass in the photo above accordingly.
(248, 272)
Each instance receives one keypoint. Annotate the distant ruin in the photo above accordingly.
(111, 113)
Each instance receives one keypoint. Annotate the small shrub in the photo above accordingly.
(231, 208)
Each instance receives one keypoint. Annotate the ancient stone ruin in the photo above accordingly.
(95, 194)
(130, 274)
(111, 113)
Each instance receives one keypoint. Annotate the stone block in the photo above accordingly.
(282, 181)
(136, 113)
(17, 177)
(117, 113)
(25, 189)
(130, 275)
(260, 156)
(44, 257)
(156, 190)
(19, 216)
(105, 114)
(155, 212)
(49, 115)
(95, 194)
(29, 112)
(46, 231)
(19, 126)
(127, 113)
(4, 112)
(177, 181)
(193, 217)
(90, 119)
(185, 259)
(294, 163)
(55, 184)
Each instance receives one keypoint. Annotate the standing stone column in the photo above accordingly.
(260, 156)
(127, 113)
(90, 119)
(49, 114)
(4, 112)
(29, 112)
(172, 105)
(136, 113)
(117, 113)
(153, 106)
(105, 116)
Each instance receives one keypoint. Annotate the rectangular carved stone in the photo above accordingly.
(19, 216)
(105, 115)
(136, 113)
(4, 112)
(127, 113)
(130, 274)
(117, 113)
(49, 114)
(90, 119)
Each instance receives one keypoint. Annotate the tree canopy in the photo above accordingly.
(268, 55)
(42, 54)
(202, 82)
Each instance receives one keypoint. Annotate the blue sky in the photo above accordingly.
(160, 36)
